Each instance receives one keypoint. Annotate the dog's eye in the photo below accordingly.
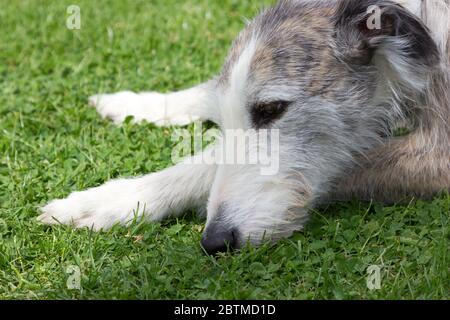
(264, 113)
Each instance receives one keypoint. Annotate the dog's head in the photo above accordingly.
(325, 80)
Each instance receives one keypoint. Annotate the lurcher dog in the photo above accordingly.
(334, 85)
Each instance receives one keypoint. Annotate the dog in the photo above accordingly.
(334, 86)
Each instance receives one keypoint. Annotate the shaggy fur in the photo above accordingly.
(416, 165)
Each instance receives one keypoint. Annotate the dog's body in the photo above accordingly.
(335, 89)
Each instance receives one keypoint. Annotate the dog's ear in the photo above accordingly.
(383, 32)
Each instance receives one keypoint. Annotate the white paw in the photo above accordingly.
(97, 208)
(119, 105)
(151, 107)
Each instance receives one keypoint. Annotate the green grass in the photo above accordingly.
(51, 144)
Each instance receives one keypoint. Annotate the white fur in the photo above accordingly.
(233, 100)
(178, 108)
(232, 116)
(154, 196)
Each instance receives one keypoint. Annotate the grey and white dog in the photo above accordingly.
(334, 87)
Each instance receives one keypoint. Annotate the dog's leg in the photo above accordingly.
(415, 166)
(155, 197)
(177, 108)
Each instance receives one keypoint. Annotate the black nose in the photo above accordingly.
(215, 241)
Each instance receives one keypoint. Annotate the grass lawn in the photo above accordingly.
(52, 143)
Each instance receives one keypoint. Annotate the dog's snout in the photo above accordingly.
(217, 240)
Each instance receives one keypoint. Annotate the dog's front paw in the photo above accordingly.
(88, 209)
(150, 106)
(118, 106)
